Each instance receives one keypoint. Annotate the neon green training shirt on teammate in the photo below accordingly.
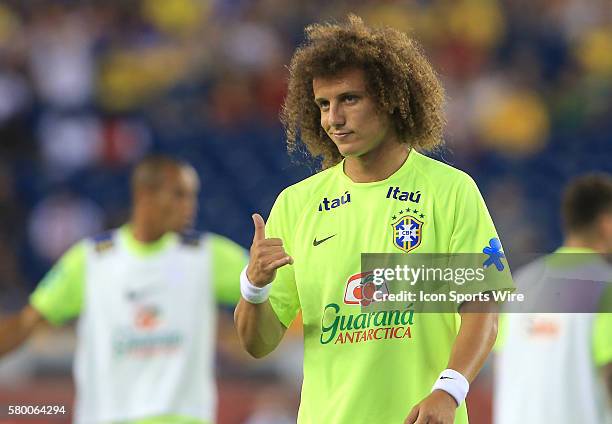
(147, 323)
(362, 368)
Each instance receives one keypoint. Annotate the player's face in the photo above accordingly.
(349, 114)
(176, 200)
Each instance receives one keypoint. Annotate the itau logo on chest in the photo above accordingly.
(329, 204)
(396, 193)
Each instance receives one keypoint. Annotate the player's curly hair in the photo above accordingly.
(397, 73)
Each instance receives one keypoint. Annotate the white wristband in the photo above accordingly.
(251, 293)
(453, 383)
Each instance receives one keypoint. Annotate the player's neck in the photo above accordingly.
(144, 232)
(584, 242)
(378, 164)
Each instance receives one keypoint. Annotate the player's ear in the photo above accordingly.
(605, 224)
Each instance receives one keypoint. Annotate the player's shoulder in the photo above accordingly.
(443, 180)
(440, 173)
(308, 188)
(206, 240)
(102, 242)
(218, 241)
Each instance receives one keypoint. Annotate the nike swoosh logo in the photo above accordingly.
(446, 378)
(316, 242)
(139, 294)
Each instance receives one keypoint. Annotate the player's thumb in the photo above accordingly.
(260, 227)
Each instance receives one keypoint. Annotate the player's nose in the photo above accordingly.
(336, 117)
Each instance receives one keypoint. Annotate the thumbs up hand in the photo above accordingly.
(267, 255)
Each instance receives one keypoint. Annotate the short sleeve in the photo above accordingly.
(602, 331)
(473, 227)
(59, 295)
(283, 294)
(228, 259)
(475, 237)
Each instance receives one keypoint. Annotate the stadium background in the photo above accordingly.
(87, 88)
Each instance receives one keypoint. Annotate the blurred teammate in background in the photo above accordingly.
(365, 100)
(145, 295)
(550, 364)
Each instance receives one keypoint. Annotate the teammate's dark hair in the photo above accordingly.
(585, 200)
(397, 73)
(150, 172)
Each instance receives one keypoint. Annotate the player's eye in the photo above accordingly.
(350, 99)
(323, 105)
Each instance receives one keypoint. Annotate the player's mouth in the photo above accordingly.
(341, 135)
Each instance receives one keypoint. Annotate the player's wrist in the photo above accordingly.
(445, 397)
(250, 292)
(453, 383)
(253, 280)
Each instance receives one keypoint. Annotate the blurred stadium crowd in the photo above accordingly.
(89, 87)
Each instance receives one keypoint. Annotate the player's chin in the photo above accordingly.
(348, 150)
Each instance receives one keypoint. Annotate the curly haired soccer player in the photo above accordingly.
(364, 101)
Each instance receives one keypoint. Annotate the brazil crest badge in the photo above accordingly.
(407, 233)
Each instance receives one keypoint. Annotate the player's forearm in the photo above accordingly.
(259, 329)
(15, 329)
(474, 341)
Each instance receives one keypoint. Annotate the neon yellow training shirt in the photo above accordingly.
(360, 368)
